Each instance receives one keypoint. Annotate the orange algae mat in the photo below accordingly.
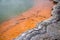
(12, 28)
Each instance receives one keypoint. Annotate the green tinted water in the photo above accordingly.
(11, 8)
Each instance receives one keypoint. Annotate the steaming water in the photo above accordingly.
(12, 8)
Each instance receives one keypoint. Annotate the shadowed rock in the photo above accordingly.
(56, 6)
(56, 0)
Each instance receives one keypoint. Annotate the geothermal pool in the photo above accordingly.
(12, 8)
(40, 10)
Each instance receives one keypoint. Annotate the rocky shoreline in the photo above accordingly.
(46, 30)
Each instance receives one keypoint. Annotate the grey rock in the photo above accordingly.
(56, 6)
(54, 30)
(56, 0)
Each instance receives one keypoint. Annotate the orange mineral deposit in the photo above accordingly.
(12, 28)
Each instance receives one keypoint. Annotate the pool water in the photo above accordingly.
(12, 8)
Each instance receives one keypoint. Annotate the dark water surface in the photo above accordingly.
(12, 8)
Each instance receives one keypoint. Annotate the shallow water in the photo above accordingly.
(12, 8)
